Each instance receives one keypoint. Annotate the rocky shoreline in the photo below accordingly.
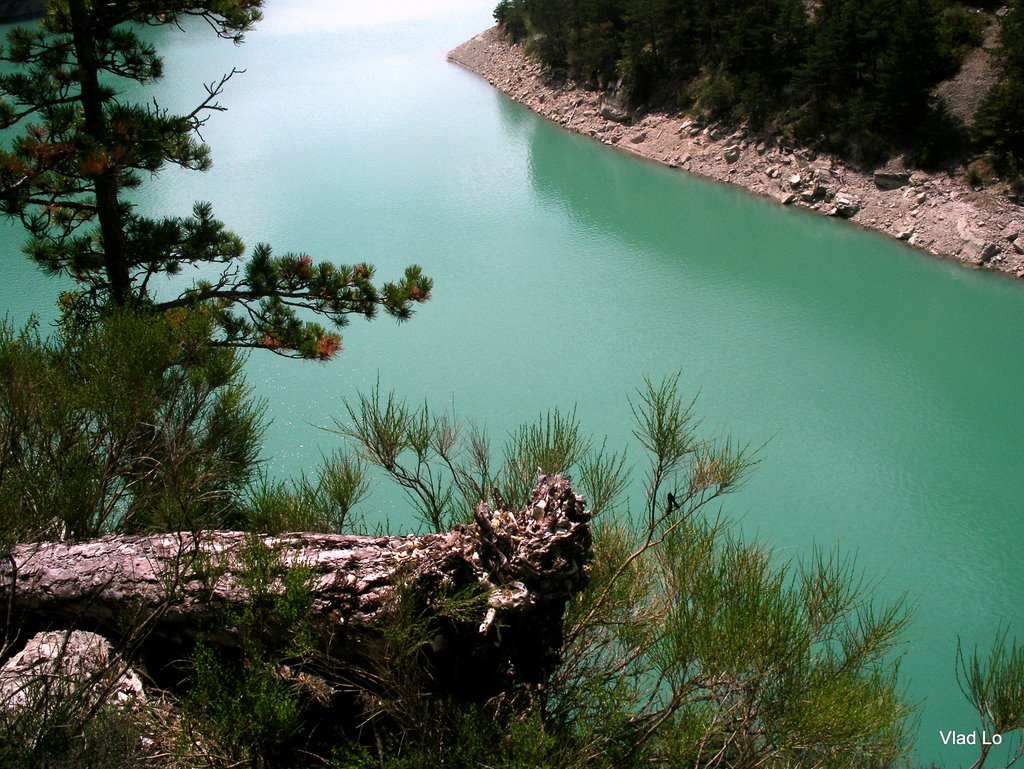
(935, 212)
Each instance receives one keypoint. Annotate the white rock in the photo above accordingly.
(66, 663)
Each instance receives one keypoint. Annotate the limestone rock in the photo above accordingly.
(614, 112)
(978, 252)
(63, 663)
(814, 193)
(888, 180)
(846, 206)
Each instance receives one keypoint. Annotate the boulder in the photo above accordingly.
(614, 112)
(64, 663)
(846, 206)
(890, 180)
(978, 253)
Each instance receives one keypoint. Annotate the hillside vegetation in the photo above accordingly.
(854, 77)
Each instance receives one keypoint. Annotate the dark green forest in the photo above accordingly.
(855, 77)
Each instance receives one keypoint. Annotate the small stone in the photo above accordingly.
(846, 207)
(732, 154)
(814, 194)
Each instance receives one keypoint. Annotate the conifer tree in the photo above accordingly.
(80, 145)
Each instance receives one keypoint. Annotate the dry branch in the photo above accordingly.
(175, 586)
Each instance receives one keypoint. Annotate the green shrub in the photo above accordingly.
(690, 647)
(511, 17)
(322, 503)
(242, 699)
(134, 425)
(995, 688)
(959, 29)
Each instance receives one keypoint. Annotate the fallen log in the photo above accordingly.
(523, 565)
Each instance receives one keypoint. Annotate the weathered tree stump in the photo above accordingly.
(169, 588)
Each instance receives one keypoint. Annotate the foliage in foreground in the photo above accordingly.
(135, 424)
(691, 647)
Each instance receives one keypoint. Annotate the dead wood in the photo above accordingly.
(170, 588)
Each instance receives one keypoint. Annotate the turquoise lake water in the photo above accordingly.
(887, 383)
